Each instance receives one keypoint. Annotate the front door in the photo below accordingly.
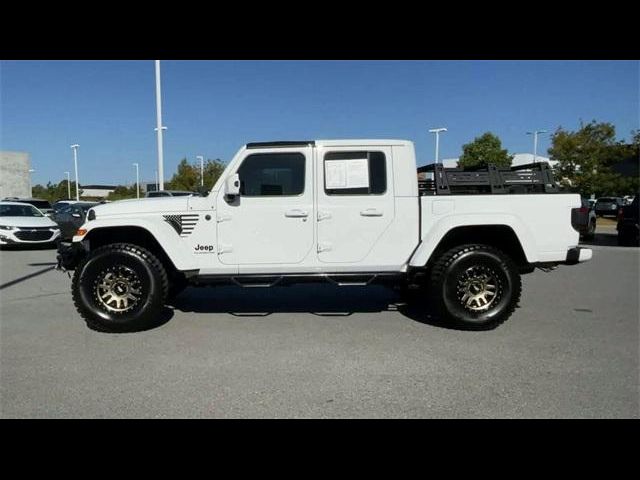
(355, 203)
(271, 222)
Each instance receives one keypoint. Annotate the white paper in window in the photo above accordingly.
(335, 174)
(346, 173)
(358, 173)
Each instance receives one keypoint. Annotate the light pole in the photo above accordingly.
(137, 180)
(156, 180)
(159, 127)
(74, 147)
(201, 158)
(31, 170)
(535, 142)
(68, 186)
(437, 132)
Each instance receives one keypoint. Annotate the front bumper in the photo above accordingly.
(28, 236)
(70, 254)
(578, 255)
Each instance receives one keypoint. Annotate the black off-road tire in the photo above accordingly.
(451, 270)
(153, 285)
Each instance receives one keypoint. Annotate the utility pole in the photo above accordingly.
(74, 147)
(137, 180)
(31, 170)
(159, 127)
(201, 158)
(535, 143)
(68, 186)
(437, 132)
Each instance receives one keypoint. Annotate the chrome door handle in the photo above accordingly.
(296, 213)
(371, 212)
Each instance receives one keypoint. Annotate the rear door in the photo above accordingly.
(355, 202)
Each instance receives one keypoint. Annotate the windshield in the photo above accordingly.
(19, 211)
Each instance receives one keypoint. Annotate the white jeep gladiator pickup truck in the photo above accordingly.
(350, 212)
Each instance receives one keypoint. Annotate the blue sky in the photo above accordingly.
(214, 107)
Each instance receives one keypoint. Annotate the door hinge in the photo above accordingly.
(324, 247)
(224, 248)
(223, 218)
(323, 215)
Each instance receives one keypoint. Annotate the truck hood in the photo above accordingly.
(144, 205)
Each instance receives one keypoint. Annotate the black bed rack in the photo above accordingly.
(435, 179)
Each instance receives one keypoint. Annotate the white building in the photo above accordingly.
(101, 191)
(15, 178)
(518, 159)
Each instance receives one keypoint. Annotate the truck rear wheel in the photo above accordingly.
(120, 287)
(475, 287)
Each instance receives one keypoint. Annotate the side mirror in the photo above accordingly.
(232, 186)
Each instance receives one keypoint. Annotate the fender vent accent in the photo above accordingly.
(182, 224)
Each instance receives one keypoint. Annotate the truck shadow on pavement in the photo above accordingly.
(604, 240)
(320, 300)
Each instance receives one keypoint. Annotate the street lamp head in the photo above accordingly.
(75, 145)
(437, 130)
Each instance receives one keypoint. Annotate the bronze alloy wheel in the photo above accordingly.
(117, 289)
(479, 288)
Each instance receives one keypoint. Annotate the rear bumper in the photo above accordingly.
(578, 255)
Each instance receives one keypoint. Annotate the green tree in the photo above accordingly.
(484, 150)
(54, 192)
(187, 176)
(123, 192)
(586, 156)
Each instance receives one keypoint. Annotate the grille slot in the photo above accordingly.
(35, 234)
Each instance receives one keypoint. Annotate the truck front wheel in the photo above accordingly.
(120, 287)
(475, 287)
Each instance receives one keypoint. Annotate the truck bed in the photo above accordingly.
(542, 225)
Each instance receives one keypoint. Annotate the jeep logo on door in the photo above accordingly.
(204, 248)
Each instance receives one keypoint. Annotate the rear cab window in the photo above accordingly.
(355, 173)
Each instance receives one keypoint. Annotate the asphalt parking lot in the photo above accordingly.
(570, 350)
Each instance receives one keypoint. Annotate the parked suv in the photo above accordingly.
(43, 205)
(70, 218)
(22, 223)
(628, 224)
(608, 206)
(583, 220)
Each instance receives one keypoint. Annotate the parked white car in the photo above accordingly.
(348, 212)
(22, 223)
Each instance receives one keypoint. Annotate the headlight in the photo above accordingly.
(91, 215)
(7, 227)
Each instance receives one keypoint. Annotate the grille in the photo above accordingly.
(33, 236)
